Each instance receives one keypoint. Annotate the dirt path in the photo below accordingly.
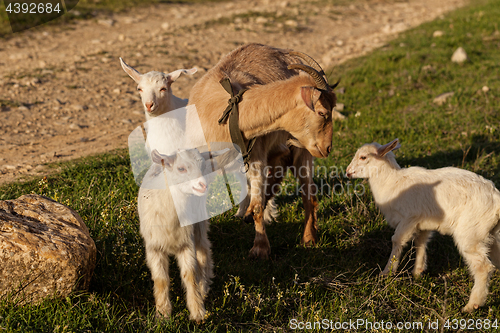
(63, 94)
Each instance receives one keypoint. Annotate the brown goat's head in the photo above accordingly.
(314, 109)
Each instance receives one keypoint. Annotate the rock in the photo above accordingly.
(339, 107)
(75, 127)
(78, 107)
(459, 55)
(165, 25)
(23, 108)
(106, 22)
(44, 247)
(292, 23)
(485, 89)
(441, 99)
(19, 56)
(337, 115)
(261, 20)
(438, 33)
(428, 68)
(340, 90)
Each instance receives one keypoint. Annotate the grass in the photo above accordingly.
(388, 94)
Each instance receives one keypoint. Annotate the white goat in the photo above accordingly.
(160, 212)
(155, 89)
(416, 201)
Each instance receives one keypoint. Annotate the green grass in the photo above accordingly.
(391, 93)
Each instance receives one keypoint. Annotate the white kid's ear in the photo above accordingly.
(163, 160)
(393, 145)
(175, 74)
(131, 71)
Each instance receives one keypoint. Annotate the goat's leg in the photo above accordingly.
(495, 253)
(303, 165)
(246, 200)
(495, 247)
(421, 257)
(186, 259)
(157, 261)
(261, 247)
(404, 233)
(480, 267)
(204, 257)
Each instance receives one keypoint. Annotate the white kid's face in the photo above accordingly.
(359, 166)
(153, 88)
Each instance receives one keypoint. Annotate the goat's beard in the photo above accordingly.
(295, 143)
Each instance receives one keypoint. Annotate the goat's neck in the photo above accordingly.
(173, 103)
(383, 178)
(263, 107)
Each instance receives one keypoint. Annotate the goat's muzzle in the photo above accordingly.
(149, 106)
(201, 187)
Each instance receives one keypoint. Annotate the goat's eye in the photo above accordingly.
(181, 169)
(163, 89)
(362, 158)
(321, 114)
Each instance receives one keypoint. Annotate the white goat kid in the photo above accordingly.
(416, 201)
(155, 89)
(160, 211)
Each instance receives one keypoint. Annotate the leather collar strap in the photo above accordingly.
(232, 113)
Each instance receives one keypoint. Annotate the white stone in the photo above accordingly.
(441, 99)
(438, 33)
(459, 55)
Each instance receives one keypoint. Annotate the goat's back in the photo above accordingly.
(245, 66)
(446, 199)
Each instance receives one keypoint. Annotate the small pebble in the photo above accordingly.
(459, 56)
(441, 99)
(438, 33)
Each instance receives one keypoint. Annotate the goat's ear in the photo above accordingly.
(393, 145)
(163, 160)
(131, 71)
(310, 96)
(171, 77)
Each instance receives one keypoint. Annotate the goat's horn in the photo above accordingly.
(309, 61)
(318, 78)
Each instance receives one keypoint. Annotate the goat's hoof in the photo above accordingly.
(417, 274)
(258, 252)
(162, 315)
(308, 241)
(470, 307)
(198, 316)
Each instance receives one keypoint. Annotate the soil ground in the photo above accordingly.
(63, 94)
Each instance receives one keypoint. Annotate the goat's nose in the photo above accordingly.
(328, 150)
(202, 186)
(149, 105)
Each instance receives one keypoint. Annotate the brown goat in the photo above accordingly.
(282, 106)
